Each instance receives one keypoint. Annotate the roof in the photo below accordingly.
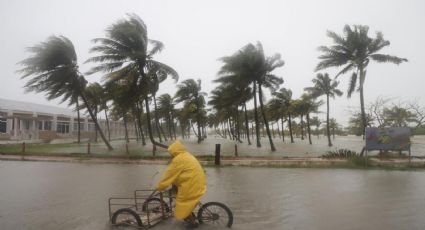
(27, 107)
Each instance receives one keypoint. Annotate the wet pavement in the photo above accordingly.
(48, 195)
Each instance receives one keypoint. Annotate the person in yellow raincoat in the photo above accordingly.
(187, 174)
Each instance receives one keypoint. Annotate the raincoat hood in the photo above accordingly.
(176, 148)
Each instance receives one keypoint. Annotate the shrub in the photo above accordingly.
(340, 153)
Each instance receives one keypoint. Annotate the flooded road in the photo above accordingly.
(38, 195)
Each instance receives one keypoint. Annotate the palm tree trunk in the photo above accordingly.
(283, 131)
(290, 128)
(194, 131)
(198, 119)
(125, 128)
(169, 125)
(229, 129)
(174, 126)
(278, 129)
(327, 121)
(95, 114)
(139, 110)
(238, 133)
(252, 130)
(107, 125)
(260, 96)
(162, 131)
(257, 128)
(136, 132)
(308, 128)
(156, 118)
(182, 130)
(302, 127)
(148, 118)
(362, 77)
(246, 124)
(79, 123)
(95, 122)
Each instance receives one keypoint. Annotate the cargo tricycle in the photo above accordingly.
(149, 207)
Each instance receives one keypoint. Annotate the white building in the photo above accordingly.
(29, 121)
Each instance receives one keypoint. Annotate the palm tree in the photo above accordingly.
(315, 121)
(189, 91)
(323, 85)
(307, 106)
(232, 93)
(334, 126)
(156, 75)
(54, 68)
(268, 80)
(241, 66)
(356, 121)
(166, 107)
(94, 94)
(283, 99)
(75, 100)
(251, 66)
(354, 50)
(124, 54)
(121, 105)
(298, 109)
(276, 111)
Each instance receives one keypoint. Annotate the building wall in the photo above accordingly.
(28, 125)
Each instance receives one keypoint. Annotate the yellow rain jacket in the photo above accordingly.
(187, 174)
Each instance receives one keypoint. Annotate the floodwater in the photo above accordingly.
(41, 195)
(301, 148)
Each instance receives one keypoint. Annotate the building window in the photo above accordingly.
(3, 125)
(91, 127)
(26, 124)
(62, 127)
(47, 125)
(81, 126)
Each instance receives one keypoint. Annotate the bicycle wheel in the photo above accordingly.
(126, 216)
(215, 213)
(154, 205)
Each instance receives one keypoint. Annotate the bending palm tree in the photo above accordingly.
(190, 92)
(55, 71)
(124, 55)
(323, 85)
(166, 107)
(251, 65)
(283, 99)
(354, 51)
(309, 105)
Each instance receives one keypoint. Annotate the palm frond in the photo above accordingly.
(352, 85)
(387, 58)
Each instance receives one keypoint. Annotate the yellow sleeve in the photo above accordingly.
(170, 175)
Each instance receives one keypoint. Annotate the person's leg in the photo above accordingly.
(191, 220)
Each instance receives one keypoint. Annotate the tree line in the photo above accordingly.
(132, 78)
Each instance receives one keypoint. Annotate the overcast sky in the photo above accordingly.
(196, 33)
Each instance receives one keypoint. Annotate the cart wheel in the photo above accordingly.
(126, 216)
(154, 205)
(215, 213)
